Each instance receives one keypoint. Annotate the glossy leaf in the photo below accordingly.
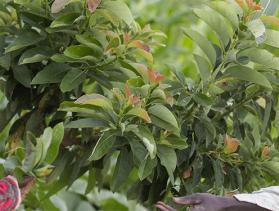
(52, 73)
(162, 117)
(203, 43)
(72, 79)
(168, 159)
(248, 74)
(216, 23)
(119, 9)
(141, 113)
(57, 138)
(103, 145)
(25, 39)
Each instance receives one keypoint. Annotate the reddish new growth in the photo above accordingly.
(134, 100)
(155, 77)
(141, 45)
(250, 3)
(126, 37)
(253, 5)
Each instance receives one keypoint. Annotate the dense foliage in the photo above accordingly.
(83, 107)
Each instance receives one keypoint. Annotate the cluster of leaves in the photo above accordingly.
(80, 99)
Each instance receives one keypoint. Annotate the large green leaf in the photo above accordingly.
(272, 38)
(23, 40)
(45, 141)
(122, 169)
(23, 75)
(90, 41)
(95, 100)
(216, 22)
(87, 123)
(66, 19)
(258, 30)
(162, 117)
(72, 79)
(204, 68)
(148, 140)
(175, 142)
(33, 55)
(261, 56)
(88, 109)
(5, 61)
(141, 113)
(269, 6)
(30, 159)
(204, 44)
(82, 52)
(103, 145)
(119, 9)
(146, 167)
(248, 74)
(52, 73)
(57, 137)
(168, 159)
(227, 10)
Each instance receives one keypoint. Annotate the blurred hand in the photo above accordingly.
(208, 202)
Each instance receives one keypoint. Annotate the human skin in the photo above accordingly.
(208, 202)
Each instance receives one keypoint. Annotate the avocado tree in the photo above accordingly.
(83, 109)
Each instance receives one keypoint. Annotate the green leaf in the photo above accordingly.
(139, 151)
(113, 204)
(202, 99)
(30, 159)
(87, 123)
(141, 113)
(271, 168)
(272, 38)
(120, 10)
(95, 100)
(261, 56)
(44, 141)
(5, 61)
(72, 80)
(248, 74)
(91, 181)
(23, 40)
(52, 73)
(148, 140)
(66, 19)
(269, 6)
(103, 145)
(203, 67)
(174, 142)
(57, 137)
(168, 159)
(216, 22)
(227, 10)
(218, 173)
(258, 30)
(204, 44)
(90, 41)
(146, 55)
(122, 169)
(23, 75)
(162, 117)
(146, 167)
(91, 110)
(82, 52)
(33, 55)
